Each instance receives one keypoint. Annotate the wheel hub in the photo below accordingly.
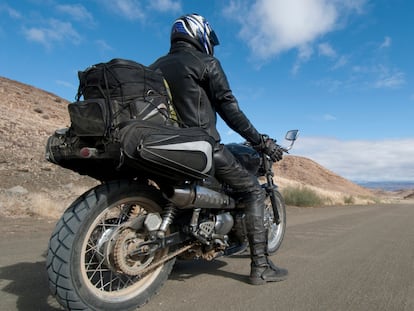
(126, 242)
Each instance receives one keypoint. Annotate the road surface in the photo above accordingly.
(339, 258)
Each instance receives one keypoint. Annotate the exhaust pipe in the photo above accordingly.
(202, 197)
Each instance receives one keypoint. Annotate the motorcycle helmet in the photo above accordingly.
(195, 29)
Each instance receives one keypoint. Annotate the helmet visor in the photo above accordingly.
(213, 38)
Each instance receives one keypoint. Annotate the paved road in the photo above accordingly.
(339, 258)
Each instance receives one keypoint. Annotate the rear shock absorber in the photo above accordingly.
(167, 219)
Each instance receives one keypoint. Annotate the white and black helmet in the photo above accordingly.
(195, 29)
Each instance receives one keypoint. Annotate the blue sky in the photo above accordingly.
(341, 71)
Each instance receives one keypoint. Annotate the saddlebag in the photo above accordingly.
(172, 152)
(96, 158)
(141, 148)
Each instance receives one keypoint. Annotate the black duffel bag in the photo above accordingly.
(117, 92)
(120, 78)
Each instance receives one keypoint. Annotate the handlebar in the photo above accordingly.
(291, 136)
(267, 163)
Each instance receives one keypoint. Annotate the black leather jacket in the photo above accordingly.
(200, 89)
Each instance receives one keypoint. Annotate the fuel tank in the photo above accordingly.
(247, 156)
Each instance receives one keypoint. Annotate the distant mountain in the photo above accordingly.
(387, 185)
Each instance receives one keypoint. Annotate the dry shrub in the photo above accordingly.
(43, 206)
(328, 196)
(302, 196)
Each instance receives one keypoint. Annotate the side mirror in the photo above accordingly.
(292, 135)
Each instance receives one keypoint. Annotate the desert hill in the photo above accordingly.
(31, 185)
(310, 173)
(28, 183)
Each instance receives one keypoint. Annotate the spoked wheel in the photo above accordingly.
(275, 229)
(106, 267)
(91, 261)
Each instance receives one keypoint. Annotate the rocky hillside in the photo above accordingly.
(31, 185)
(310, 173)
(28, 183)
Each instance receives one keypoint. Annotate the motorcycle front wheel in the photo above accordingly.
(88, 261)
(275, 228)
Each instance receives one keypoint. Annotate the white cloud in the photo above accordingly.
(10, 11)
(380, 160)
(390, 80)
(53, 31)
(355, 5)
(331, 85)
(129, 9)
(76, 11)
(165, 5)
(384, 77)
(103, 45)
(325, 49)
(386, 43)
(304, 54)
(230, 133)
(138, 10)
(274, 26)
(329, 117)
(36, 34)
(271, 27)
(65, 84)
(364, 78)
(340, 62)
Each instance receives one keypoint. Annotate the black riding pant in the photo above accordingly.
(229, 170)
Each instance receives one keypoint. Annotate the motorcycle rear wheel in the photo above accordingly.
(80, 265)
(275, 230)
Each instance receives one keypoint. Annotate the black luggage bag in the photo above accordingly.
(172, 152)
(141, 148)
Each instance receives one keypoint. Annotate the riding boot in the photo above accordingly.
(262, 268)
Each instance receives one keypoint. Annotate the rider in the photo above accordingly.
(200, 90)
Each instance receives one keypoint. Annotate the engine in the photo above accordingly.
(222, 233)
(216, 229)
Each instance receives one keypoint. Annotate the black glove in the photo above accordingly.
(269, 147)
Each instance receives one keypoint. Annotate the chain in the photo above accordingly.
(165, 259)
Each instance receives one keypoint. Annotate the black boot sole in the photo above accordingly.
(260, 281)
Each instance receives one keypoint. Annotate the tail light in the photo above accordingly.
(87, 152)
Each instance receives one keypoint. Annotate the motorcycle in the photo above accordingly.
(116, 244)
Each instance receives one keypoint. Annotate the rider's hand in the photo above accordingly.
(273, 150)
